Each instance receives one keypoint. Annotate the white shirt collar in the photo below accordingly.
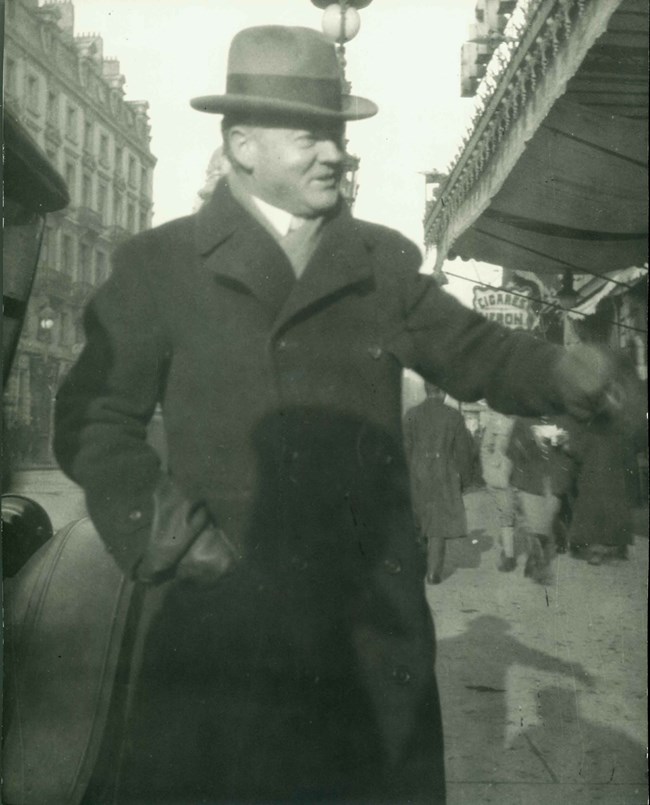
(279, 219)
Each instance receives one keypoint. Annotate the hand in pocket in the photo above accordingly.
(184, 541)
(210, 557)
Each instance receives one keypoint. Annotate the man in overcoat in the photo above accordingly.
(441, 455)
(291, 658)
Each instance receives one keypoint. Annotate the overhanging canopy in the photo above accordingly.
(577, 198)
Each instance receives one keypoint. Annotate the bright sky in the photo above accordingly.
(406, 58)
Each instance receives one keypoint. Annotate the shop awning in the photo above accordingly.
(577, 198)
(553, 176)
(617, 283)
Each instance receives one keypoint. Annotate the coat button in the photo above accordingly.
(392, 566)
(282, 344)
(401, 675)
(375, 351)
(135, 515)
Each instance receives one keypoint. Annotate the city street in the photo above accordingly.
(543, 688)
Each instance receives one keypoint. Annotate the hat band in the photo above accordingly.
(323, 92)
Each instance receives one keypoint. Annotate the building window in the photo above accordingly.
(118, 208)
(144, 177)
(47, 247)
(64, 328)
(102, 201)
(103, 148)
(71, 122)
(53, 108)
(143, 220)
(32, 92)
(67, 255)
(88, 136)
(87, 191)
(130, 217)
(70, 178)
(85, 263)
(132, 167)
(119, 160)
(101, 266)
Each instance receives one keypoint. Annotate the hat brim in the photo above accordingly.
(353, 107)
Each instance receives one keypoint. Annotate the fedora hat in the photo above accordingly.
(274, 69)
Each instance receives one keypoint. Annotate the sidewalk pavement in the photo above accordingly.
(543, 688)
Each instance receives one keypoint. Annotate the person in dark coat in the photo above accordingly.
(290, 656)
(605, 450)
(441, 457)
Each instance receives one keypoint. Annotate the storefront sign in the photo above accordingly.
(513, 306)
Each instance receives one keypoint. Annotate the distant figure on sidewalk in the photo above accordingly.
(496, 473)
(542, 472)
(605, 450)
(441, 454)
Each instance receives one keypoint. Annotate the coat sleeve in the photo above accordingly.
(105, 403)
(472, 358)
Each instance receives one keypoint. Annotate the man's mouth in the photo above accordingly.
(331, 180)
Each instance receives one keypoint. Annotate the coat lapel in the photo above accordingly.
(341, 260)
(238, 250)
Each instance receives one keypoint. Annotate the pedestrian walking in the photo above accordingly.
(496, 467)
(605, 450)
(291, 658)
(441, 455)
(542, 472)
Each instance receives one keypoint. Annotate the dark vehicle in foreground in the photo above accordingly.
(64, 600)
(32, 188)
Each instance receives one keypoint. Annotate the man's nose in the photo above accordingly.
(330, 152)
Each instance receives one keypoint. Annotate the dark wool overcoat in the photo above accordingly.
(605, 454)
(441, 454)
(306, 674)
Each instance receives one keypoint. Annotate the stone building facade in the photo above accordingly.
(72, 100)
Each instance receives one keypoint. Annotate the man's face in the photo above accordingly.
(298, 170)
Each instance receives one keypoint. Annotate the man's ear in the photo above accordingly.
(242, 147)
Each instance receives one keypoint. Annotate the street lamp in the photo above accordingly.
(45, 323)
(340, 24)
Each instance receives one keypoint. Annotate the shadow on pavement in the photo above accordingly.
(479, 708)
(572, 749)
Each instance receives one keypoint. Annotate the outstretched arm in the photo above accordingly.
(473, 358)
